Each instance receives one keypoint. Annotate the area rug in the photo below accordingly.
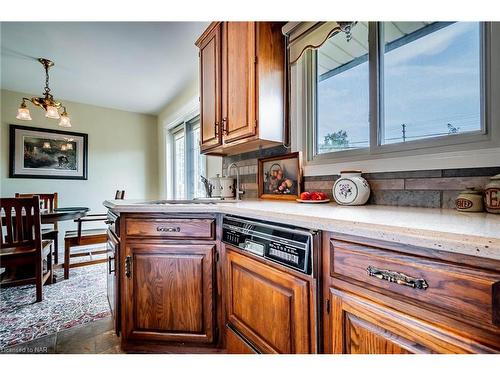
(80, 299)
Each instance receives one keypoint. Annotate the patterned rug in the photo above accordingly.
(80, 299)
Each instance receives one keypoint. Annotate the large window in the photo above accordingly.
(187, 162)
(342, 92)
(397, 86)
(432, 80)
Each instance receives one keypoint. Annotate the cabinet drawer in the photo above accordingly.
(465, 291)
(172, 228)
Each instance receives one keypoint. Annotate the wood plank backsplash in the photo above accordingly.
(437, 188)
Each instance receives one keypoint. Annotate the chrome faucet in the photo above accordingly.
(237, 190)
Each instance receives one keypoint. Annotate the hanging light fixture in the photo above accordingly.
(46, 102)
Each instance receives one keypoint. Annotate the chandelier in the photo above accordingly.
(46, 102)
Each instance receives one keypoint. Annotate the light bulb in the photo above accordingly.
(23, 113)
(65, 121)
(52, 112)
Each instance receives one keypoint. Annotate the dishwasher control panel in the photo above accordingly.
(286, 245)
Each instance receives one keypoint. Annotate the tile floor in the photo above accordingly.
(93, 338)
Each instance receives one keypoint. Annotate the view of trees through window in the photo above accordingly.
(431, 84)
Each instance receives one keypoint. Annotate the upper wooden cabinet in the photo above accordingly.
(210, 89)
(242, 86)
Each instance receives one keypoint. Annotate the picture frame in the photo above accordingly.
(280, 177)
(47, 153)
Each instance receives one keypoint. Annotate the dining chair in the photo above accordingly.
(86, 237)
(49, 201)
(21, 244)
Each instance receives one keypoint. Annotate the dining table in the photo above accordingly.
(62, 214)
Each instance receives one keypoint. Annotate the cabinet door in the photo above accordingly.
(235, 344)
(359, 326)
(270, 308)
(169, 292)
(238, 90)
(210, 90)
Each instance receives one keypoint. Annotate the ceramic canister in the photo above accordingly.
(492, 195)
(470, 200)
(351, 189)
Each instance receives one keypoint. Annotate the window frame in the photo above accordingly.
(376, 149)
(184, 127)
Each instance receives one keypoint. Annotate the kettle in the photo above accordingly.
(216, 186)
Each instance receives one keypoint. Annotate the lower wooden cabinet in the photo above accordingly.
(235, 344)
(359, 326)
(169, 292)
(267, 306)
(384, 298)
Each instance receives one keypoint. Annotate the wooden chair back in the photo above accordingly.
(21, 223)
(50, 201)
(120, 194)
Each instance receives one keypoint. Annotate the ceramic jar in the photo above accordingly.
(492, 195)
(351, 189)
(469, 200)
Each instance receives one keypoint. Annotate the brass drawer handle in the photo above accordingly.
(397, 277)
(168, 229)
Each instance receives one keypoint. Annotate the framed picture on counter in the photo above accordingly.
(280, 177)
(47, 153)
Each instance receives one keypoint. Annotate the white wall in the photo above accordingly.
(185, 104)
(122, 154)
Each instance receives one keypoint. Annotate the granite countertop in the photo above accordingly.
(475, 234)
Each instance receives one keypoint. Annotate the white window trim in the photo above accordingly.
(474, 150)
(186, 113)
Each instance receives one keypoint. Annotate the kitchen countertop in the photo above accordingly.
(475, 234)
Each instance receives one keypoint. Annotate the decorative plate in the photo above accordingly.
(312, 201)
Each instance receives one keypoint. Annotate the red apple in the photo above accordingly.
(315, 196)
(305, 196)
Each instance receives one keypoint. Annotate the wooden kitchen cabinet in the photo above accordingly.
(268, 307)
(210, 89)
(362, 327)
(242, 86)
(169, 292)
(388, 298)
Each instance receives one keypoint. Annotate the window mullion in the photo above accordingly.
(187, 160)
(376, 84)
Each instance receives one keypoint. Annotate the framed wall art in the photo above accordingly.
(47, 153)
(280, 177)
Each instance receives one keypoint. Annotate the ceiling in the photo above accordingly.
(133, 66)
